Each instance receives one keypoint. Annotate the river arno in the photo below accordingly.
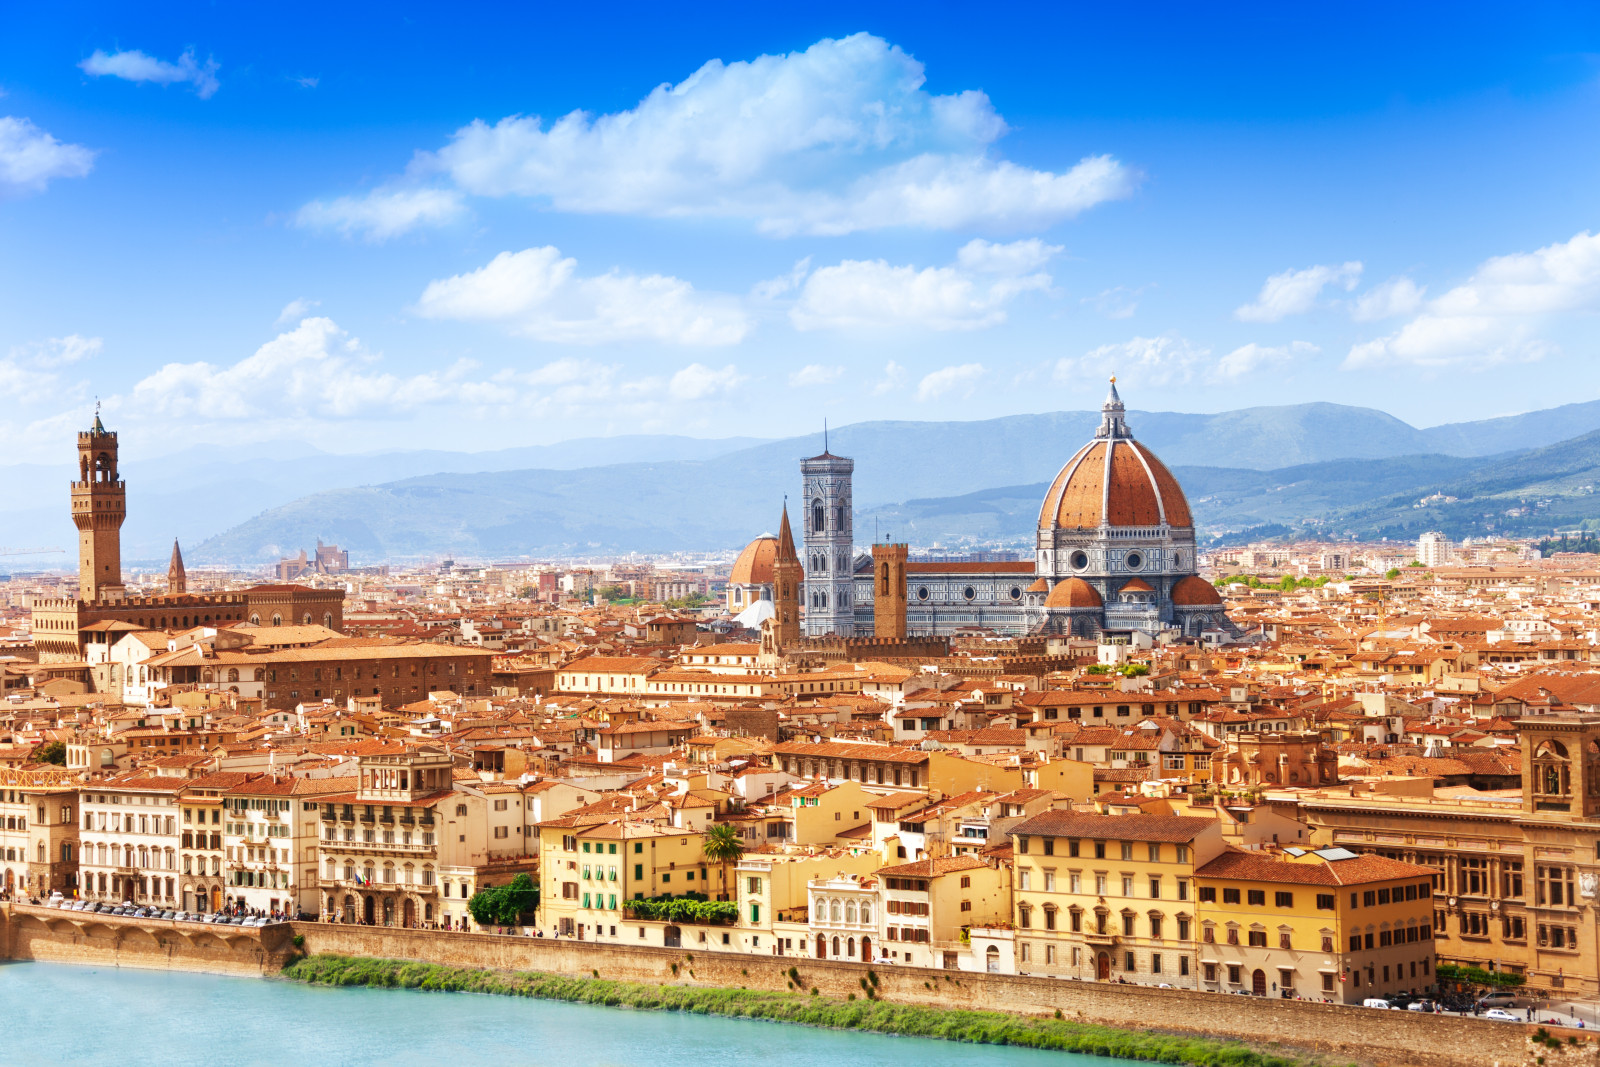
(59, 1014)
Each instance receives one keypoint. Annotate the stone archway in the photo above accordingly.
(1258, 983)
(1102, 967)
(409, 913)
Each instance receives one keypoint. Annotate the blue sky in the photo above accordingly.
(384, 227)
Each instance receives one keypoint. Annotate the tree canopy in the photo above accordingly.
(504, 905)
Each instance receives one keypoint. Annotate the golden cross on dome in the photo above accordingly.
(1113, 379)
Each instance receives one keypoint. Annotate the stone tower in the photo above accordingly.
(1561, 764)
(99, 504)
(829, 588)
(889, 591)
(788, 576)
(177, 579)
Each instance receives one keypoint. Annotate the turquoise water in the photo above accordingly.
(57, 1014)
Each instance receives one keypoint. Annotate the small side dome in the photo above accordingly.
(754, 565)
(1039, 585)
(1073, 593)
(1137, 585)
(1194, 591)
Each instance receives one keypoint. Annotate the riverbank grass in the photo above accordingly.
(871, 1015)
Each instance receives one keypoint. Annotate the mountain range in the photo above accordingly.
(1302, 468)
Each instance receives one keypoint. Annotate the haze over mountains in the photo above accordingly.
(1279, 467)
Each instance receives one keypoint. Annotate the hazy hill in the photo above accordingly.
(1242, 468)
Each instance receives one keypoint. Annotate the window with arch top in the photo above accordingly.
(819, 516)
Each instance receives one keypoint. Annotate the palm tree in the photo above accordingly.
(722, 846)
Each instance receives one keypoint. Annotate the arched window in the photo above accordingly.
(850, 911)
(834, 913)
(327, 619)
(233, 674)
(866, 911)
(819, 516)
(277, 620)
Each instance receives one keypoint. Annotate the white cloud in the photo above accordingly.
(30, 158)
(1163, 360)
(968, 295)
(315, 370)
(537, 293)
(838, 138)
(57, 351)
(134, 66)
(815, 374)
(1492, 318)
(894, 377)
(1397, 296)
(698, 381)
(383, 213)
(295, 310)
(307, 82)
(1295, 292)
(950, 379)
(1250, 358)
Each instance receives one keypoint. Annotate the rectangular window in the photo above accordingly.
(1207, 894)
(1230, 896)
(1283, 900)
(1155, 853)
(1257, 898)
(1325, 902)
(1127, 854)
(1155, 889)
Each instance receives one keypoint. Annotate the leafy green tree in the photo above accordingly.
(722, 845)
(1392, 573)
(504, 905)
(52, 752)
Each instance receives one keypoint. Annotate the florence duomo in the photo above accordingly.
(1073, 527)
(1115, 555)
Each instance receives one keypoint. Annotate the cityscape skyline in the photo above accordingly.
(270, 238)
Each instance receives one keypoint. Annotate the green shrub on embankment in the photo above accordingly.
(950, 1024)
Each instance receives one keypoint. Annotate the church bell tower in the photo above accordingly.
(829, 547)
(99, 504)
(787, 578)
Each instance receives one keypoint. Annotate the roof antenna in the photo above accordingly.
(824, 435)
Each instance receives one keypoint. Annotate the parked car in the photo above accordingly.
(1503, 1000)
(1500, 1015)
(1422, 1005)
(1377, 1002)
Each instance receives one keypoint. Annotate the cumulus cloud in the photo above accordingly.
(134, 66)
(1395, 297)
(538, 293)
(970, 294)
(1295, 292)
(382, 213)
(1250, 358)
(315, 370)
(1492, 318)
(1163, 360)
(815, 374)
(838, 138)
(960, 379)
(30, 158)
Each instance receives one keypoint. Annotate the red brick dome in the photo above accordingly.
(1194, 591)
(1116, 482)
(754, 565)
(1073, 593)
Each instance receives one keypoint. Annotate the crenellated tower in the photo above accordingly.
(99, 505)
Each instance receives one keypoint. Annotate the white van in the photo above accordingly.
(1377, 1002)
